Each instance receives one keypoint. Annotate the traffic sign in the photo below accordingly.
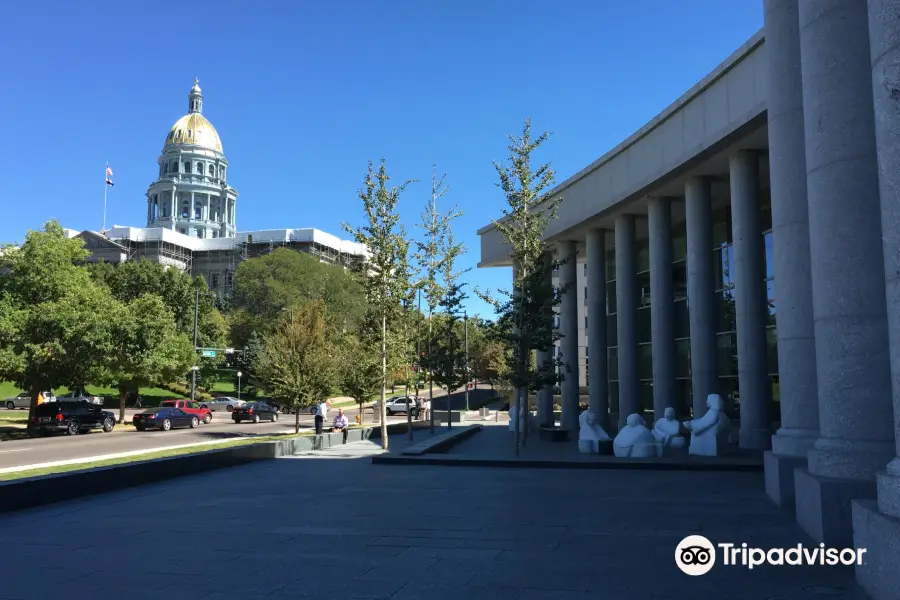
(209, 353)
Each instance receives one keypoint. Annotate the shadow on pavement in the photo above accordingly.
(332, 525)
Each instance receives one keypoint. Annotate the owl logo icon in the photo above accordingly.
(695, 555)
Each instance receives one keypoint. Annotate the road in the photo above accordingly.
(34, 451)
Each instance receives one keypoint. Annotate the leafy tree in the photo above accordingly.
(149, 350)
(360, 372)
(246, 363)
(55, 324)
(179, 292)
(449, 359)
(435, 226)
(385, 274)
(297, 364)
(524, 314)
(267, 287)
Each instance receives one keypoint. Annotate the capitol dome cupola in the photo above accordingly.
(191, 195)
(195, 98)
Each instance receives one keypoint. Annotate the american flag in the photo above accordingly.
(108, 175)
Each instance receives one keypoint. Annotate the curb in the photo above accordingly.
(462, 461)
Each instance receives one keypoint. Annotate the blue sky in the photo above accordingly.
(304, 93)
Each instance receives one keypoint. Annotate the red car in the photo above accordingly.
(192, 408)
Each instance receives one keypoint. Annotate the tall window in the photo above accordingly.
(187, 167)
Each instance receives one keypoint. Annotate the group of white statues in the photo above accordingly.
(709, 434)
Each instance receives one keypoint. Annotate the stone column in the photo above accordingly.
(790, 233)
(856, 431)
(626, 317)
(698, 224)
(751, 310)
(174, 204)
(662, 305)
(877, 526)
(545, 358)
(568, 325)
(598, 365)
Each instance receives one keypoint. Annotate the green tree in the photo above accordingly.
(449, 359)
(430, 257)
(360, 372)
(385, 274)
(179, 292)
(297, 364)
(149, 350)
(55, 324)
(525, 313)
(267, 287)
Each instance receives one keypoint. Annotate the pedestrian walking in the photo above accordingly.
(321, 411)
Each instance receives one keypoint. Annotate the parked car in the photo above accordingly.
(256, 412)
(71, 416)
(398, 404)
(225, 403)
(23, 400)
(165, 418)
(191, 408)
(82, 395)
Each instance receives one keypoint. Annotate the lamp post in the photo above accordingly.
(194, 370)
(239, 384)
(466, 322)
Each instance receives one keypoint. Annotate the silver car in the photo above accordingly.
(225, 403)
(23, 400)
(398, 404)
(82, 395)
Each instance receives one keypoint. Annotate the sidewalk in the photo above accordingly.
(332, 526)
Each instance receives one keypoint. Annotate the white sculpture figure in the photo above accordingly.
(667, 432)
(514, 413)
(590, 433)
(635, 440)
(709, 433)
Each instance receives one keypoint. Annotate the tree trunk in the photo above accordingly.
(297, 421)
(123, 393)
(35, 391)
(381, 408)
(362, 414)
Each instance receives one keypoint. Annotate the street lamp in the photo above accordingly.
(239, 384)
(194, 370)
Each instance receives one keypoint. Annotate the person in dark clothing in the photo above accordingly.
(321, 409)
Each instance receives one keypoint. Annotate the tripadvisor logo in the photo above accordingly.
(696, 555)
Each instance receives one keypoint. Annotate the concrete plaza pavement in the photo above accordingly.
(330, 525)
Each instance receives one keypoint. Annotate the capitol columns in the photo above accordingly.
(856, 428)
(876, 527)
(790, 239)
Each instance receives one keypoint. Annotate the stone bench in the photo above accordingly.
(441, 441)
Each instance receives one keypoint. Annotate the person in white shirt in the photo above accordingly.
(321, 413)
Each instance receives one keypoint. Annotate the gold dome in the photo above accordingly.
(194, 129)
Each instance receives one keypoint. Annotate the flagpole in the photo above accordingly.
(105, 191)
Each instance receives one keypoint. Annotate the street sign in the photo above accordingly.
(229, 350)
(209, 354)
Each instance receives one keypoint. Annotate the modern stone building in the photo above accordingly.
(191, 216)
(746, 242)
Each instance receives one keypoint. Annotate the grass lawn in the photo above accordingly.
(13, 416)
(147, 456)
